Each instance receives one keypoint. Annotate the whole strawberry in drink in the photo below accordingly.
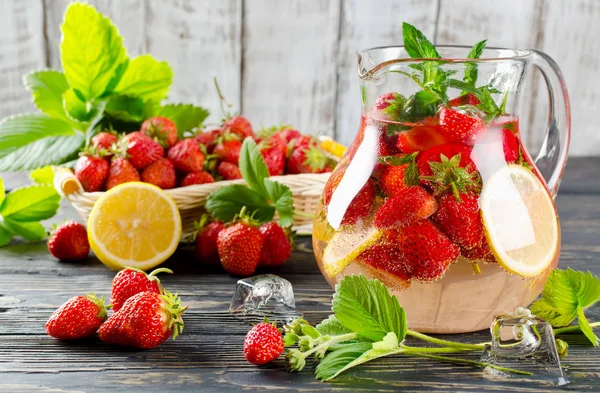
(145, 321)
(361, 205)
(186, 156)
(240, 246)
(69, 242)
(79, 317)
(121, 171)
(92, 172)
(263, 344)
(409, 205)
(276, 248)
(206, 240)
(131, 281)
(162, 129)
(460, 219)
(141, 150)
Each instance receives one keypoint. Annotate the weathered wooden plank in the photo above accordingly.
(364, 25)
(289, 63)
(21, 51)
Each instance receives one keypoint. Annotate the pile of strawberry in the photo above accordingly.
(156, 155)
(424, 192)
(243, 245)
(145, 314)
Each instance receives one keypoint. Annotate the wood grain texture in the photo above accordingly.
(208, 356)
(365, 26)
(21, 51)
(289, 63)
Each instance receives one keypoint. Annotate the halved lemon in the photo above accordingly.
(134, 224)
(347, 244)
(520, 221)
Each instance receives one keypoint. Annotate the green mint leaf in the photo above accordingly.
(398, 160)
(367, 308)
(226, 202)
(146, 78)
(411, 174)
(336, 360)
(388, 346)
(20, 130)
(416, 44)
(129, 109)
(470, 74)
(43, 175)
(253, 167)
(91, 50)
(185, 116)
(31, 203)
(56, 150)
(47, 88)
(566, 295)
(281, 195)
(76, 109)
(31, 231)
(6, 235)
(119, 72)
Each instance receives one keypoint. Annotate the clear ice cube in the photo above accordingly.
(524, 342)
(266, 294)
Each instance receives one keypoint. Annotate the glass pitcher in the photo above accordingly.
(437, 196)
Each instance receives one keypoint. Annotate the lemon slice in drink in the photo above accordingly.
(346, 244)
(520, 221)
(134, 224)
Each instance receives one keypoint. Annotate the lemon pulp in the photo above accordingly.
(347, 244)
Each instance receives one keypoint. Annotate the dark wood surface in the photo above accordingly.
(208, 356)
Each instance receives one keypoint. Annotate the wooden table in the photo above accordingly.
(208, 356)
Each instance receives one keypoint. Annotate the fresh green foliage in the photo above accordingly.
(566, 295)
(398, 160)
(449, 175)
(262, 197)
(43, 175)
(99, 86)
(471, 73)
(23, 208)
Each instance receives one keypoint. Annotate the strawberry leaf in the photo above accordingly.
(32, 203)
(253, 168)
(185, 116)
(281, 196)
(146, 78)
(31, 231)
(47, 88)
(224, 203)
(43, 175)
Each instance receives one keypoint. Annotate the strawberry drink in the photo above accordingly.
(437, 197)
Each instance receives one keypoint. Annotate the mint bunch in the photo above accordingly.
(22, 209)
(261, 197)
(100, 86)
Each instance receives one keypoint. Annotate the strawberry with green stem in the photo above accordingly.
(408, 205)
(186, 156)
(80, 317)
(277, 246)
(205, 243)
(69, 242)
(161, 173)
(234, 124)
(121, 171)
(449, 176)
(140, 149)
(104, 140)
(460, 219)
(91, 169)
(131, 281)
(263, 343)
(162, 129)
(228, 148)
(229, 171)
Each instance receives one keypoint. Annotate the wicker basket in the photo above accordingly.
(306, 190)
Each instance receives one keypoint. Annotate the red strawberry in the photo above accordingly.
(142, 150)
(197, 178)
(229, 171)
(422, 137)
(240, 248)
(392, 179)
(130, 281)
(428, 252)
(162, 129)
(410, 204)
(303, 141)
(79, 317)
(69, 242)
(145, 321)
(263, 344)
(288, 134)
(275, 160)
(121, 171)
(386, 257)
(481, 253)
(91, 171)
(228, 150)
(387, 145)
(332, 183)
(206, 242)
(186, 156)
(460, 127)
(449, 150)
(305, 159)
(467, 99)
(360, 205)
(384, 100)
(104, 140)
(238, 125)
(208, 139)
(161, 173)
(460, 219)
(276, 141)
(510, 145)
(276, 247)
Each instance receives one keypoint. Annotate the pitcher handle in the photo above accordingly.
(552, 157)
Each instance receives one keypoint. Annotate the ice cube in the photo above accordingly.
(263, 295)
(524, 342)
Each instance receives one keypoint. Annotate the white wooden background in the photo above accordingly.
(292, 61)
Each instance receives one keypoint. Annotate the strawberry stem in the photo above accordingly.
(473, 362)
(445, 343)
(576, 328)
(160, 270)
